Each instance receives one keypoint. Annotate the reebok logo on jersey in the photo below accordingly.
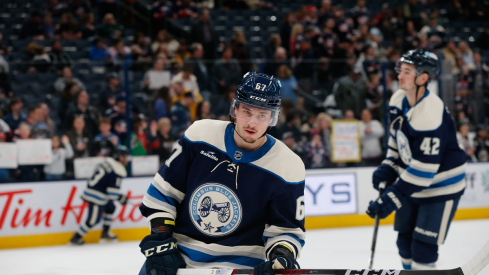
(209, 154)
(426, 232)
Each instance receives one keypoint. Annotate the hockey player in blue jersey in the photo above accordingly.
(424, 168)
(230, 195)
(102, 189)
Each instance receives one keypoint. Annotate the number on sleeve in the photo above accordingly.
(97, 176)
(176, 152)
(429, 146)
(300, 212)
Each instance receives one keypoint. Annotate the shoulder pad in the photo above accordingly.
(428, 114)
(117, 167)
(209, 131)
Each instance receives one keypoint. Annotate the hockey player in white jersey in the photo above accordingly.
(230, 195)
(424, 168)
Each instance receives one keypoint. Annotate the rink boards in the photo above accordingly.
(47, 213)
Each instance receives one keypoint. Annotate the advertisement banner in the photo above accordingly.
(145, 165)
(476, 193)
(50, 207)
(34, 151)
(8, 155)
(84, 167)
(330, 194)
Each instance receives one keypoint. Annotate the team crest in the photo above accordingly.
(215, 209)
(238, 155)
(403, 148)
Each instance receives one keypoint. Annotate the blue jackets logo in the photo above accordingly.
(215, 209)
(403, 147)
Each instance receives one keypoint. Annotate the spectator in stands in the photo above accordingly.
(119, 53)
(161, 103)
(288, 82)
(156, 77)
(118, 117)
(98, 50)
(482, 144)
(67, 97)
(351, 92)
(316, 155)
(79, 8)
(39, 129)
(186, 9)
(461, 71)
(178, 93)
(164, 38)
(450, 52)
(82, 107)
(67, 76)
(462, 101)
(286, 29)
(180, 114)
(110, 91)
(57, 168)
(80, 141)
(371, 132)
(204, 111)
(279, 59)
(466, 54)
(33, 28)
(15, 115)
(26, 172)
(221, 104)
(292, 124)
(57, 8)
(323, 75)
(110, 28)
(67, 27)
(274, 42)
(483, 40)
(46, 118)
(297, 30)
(240, 50)
(359, 13)
(203, 32)
(161, 11)
(411, 39)
(200, 69)
(141, 138)
(141, 49)
(38, 57)
(188, 80)
(465, 140)
(289, 140)
(59, 58)
(5, 129)
(349, 115)
(4, 173)
(226, 71)
(106, 6)
(87, 26)
(374, 96)
(48, 26)
(104, 143)
(163, 145)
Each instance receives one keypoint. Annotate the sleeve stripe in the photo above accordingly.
(412, 179)
(155, 193)
(167, 186)
(392, 143)
(288, 244)
(272, 231)
(296, 243)
(449, 173)
(420, 174)
(448, 181)
(160, 215)
(153, 203)
(423, 166)
(392, 153)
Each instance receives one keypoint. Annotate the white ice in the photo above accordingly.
(345, 248)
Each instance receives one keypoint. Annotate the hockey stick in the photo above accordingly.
(376, 229)
(472, 267)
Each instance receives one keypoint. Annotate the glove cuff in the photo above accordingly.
(281, 250)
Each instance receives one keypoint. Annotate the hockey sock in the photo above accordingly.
(423, 266)
(105, 228)
(406, 263)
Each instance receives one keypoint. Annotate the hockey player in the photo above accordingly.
(102, 190)
(424, 168)
(230, 195)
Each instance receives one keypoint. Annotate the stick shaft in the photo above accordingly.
(376, 229)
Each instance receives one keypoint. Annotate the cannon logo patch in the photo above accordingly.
(215, 209)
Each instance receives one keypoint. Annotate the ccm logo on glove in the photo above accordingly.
(160, 248)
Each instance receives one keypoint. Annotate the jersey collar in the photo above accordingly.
(238, 155)
(405, 103)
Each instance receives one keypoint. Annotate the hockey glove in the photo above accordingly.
(162, 255)
(384, 173)
(391, 200)
(280, 258)
(122, 199)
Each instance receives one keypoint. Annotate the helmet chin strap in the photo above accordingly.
(416, 96)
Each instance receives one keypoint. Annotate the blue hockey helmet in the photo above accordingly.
(424, 61)
(261, 91)
(120, 150)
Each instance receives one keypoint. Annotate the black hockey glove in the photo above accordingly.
(391, 200)
(162, 255)
(384, 173)
(280, 258)
(122, 199)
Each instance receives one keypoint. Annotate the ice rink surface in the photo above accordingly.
(345, 248)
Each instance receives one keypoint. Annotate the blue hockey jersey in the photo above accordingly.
(105, 182)
(230, 207)
(423, 148)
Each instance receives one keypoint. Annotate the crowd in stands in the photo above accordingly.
(63, 72)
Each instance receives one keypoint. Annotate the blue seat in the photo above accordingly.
(24, 78)
(78, 55)
(47, 78)
(19, 89)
